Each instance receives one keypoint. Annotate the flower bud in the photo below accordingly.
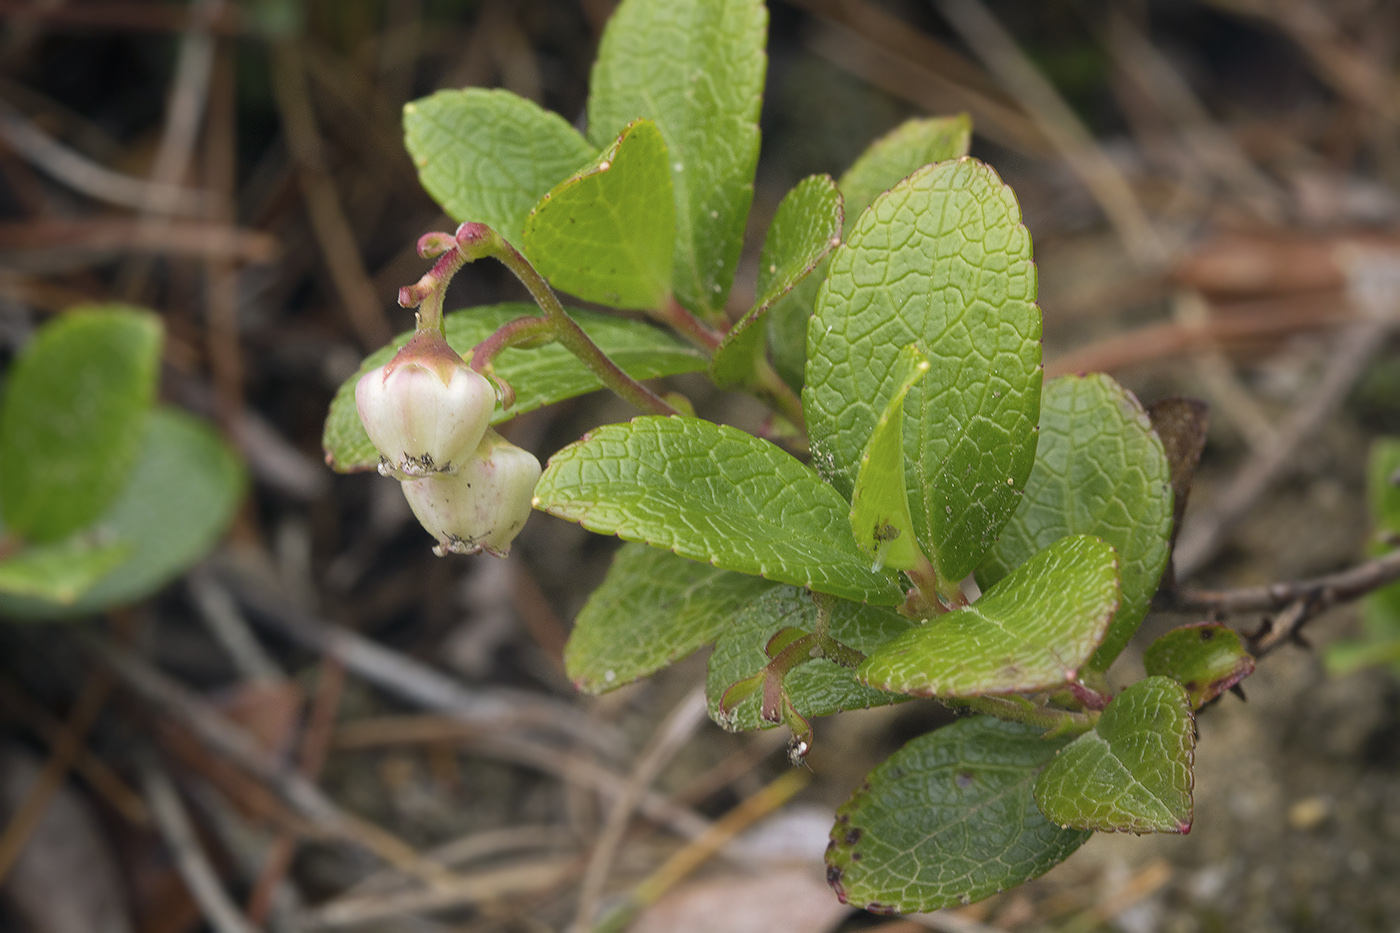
(483, 505)
(425, 410)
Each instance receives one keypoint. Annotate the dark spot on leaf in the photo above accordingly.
(856, 856)
(853, 835)
(833, 875)
(1191, 686)
(964, 779)
(1207, 634)
(843, 818)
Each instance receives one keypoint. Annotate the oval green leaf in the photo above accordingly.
(489, 155)
(805, 228)
(884, 164)
(949, 819)
(60, 572)
(1100, 470)
(695, 68)
(1032, 631)
(651, 609)
(73, 417)
(177, 503)
(943, 262)
(606, 233)
(880, 502)
(1206, 658)
(1133, 772)
(896, 155)
(715, 494)
(539, 376)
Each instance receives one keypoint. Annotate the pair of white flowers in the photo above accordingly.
(429, 416)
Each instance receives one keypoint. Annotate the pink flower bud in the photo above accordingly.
(483, 505)
(425, 410)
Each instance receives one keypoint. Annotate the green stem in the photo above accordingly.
(1019, 709)
(938, 593)
(566, 329)
(519, 332)
(675, 315)
(784, 399)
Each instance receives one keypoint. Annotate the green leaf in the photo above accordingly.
(787, 326)
(606, 232)
(177, 503)
(695, 67)
(817, 688)
(805, 228)
(539, 376)
(894, 156)
(72, 419)
(716, 494)
(61, 572)
(1380, 610)
(948, 819)
(940, 261)
(651, 609)
(1099, 470)
(1032, 631)
(880, 503)
(1206, 658)
(1133, 772)
(1382, 487)
(889, 160)
(487, 155)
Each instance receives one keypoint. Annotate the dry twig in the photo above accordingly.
(674, 731)
(190, 860)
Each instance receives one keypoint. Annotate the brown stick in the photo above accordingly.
(1319, 593)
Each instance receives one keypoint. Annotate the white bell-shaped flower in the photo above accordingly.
(425, 411)
(483, 505)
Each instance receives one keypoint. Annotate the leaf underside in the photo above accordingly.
(651, 609)
(816, 688)
(880, 517)
(949, 819)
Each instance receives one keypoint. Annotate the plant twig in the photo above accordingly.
(234, 743)
(65, 752)
(190, 860)
(668, 739)
(570, 767)
(416, 682)
(682, 863)
(315, 745)
(1357, 345)
(83, 175)
(1049, 112)
(332, 228)
(1319, 593)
